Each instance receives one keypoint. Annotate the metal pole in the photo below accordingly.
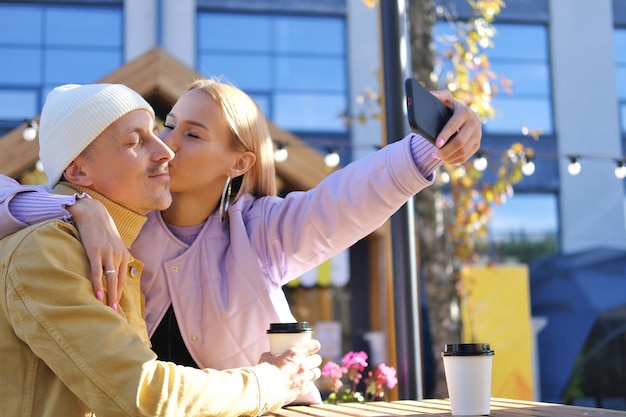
(395, 56)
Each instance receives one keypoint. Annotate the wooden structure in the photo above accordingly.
(500, 407)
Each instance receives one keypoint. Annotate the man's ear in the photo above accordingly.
(243, 163)
(76, 174)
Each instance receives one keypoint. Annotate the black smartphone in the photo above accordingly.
(427, 114)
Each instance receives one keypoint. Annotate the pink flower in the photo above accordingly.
(355, 363)
(355, 360)
(386, 375)
(334, 372)
(376, 381)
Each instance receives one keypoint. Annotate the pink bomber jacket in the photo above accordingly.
(226, 287)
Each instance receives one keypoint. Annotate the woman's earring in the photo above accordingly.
(225, 201)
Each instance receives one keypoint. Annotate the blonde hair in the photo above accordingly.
(250, 133)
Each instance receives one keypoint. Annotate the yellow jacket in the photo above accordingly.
(64, 353)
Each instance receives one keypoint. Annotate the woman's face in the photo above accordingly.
(197, 132)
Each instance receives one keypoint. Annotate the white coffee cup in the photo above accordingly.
(468, 377)
(282, 336)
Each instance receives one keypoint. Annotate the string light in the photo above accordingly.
(574, 166)
(30, 131)
(280, 152)
(332, 159)
(528, 167)
(480, 162)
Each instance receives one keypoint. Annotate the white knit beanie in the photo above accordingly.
(74, 115)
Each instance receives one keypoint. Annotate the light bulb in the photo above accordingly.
(332, 159)
(528, 168)
(30, 132)
(480, 162)
(620, 170)
(574, 166)
(280, 154)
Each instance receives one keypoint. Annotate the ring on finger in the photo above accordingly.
(109, 271)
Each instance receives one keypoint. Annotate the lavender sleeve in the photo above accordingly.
(422, 151)
(35, 207)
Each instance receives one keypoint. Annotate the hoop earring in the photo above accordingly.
(225, 200)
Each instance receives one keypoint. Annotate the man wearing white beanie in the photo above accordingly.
(66, 353)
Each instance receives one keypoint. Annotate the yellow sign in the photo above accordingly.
(496, 310)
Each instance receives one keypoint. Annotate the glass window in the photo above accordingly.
(236, 69)
(234, 32)
(321, 74)
(517, 42)
(533, 214)
(67, 26)
(513, 114)
(310, 35)
(296, 63)
(21, 65)
(520, 54)
(20, 25)
(44, 45)
(15, 104)
(531, 81)
(620, 68)
(78, 66)
(303, 112)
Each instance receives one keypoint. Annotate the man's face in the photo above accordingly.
(128, 164)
